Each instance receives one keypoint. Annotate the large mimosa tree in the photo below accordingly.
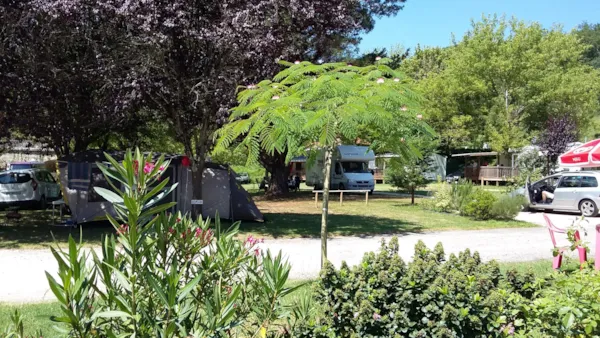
(320, 106)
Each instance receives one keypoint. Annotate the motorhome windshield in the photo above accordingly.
(355, 167)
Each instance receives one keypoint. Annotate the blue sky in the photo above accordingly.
(431, 22)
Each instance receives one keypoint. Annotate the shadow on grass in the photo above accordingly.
(36, 229)
(309, 226)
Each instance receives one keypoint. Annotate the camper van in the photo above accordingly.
(349, 169)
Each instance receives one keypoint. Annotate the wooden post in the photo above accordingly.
(341, 197)
(316, 199)
(497, 183)
(367, 198)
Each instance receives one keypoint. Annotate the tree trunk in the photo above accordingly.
(198, 164)
(412, 196)
(278, 173)
(325, 211)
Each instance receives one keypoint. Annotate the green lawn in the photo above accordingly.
(297, 216)
(294, 216)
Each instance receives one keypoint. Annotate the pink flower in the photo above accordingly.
(275, 97)
(378, 58)
(297, 62)
(419, 117)
(171, 231)
(123, 229)
(178, 220)
(161, 168)
(251, 86)
(349, 65)
(148, 167)
(257, 252)
(396, 80)
(380, 80)
(376, 316)
(198, 232)
(404, 108)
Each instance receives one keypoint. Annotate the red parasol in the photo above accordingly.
(586, 155)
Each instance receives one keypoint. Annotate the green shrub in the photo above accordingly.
(428, 297)
(442, 199)
(479, 206)
(462, 192)
(507, 207)
(568, 307)
(165, 275)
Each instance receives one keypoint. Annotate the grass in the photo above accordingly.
(294, 216)
(297, 216)
(36, 229)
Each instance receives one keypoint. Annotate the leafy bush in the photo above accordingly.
(479, 206)
(165, 275)
(569, 307)
(442, 199)
(462, 192)
(507, 207)
(407, 176)
(385, 297)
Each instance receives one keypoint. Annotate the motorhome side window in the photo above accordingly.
(97, 179)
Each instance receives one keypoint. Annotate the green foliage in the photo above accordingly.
(442, 200)
(507, 207)
(165, 275)
(462, 193)
(308, 103)
(428, 297)
(502, 80)
(590, 35)
(479, 205)
(408, 176)
(569, 307)
(16, 329)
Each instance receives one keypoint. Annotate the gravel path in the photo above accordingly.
(24, 280)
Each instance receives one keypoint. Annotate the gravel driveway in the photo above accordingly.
(24, 280)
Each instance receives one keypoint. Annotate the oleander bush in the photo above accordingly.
(165, 274)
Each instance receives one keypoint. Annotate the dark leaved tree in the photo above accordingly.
(64, 70)
(555, 138)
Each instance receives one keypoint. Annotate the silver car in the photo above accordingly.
(28, 187)
(573, 191)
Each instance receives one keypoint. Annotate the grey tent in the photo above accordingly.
(221, 193)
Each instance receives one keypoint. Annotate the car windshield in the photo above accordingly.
(21, 166)
(12, 178)
(355, 167)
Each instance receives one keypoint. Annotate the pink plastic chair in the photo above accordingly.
(558, 259)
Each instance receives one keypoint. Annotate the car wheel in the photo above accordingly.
(43, 205)
(588, 208)
(341, 186)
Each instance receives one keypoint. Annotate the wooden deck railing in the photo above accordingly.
(489, 173)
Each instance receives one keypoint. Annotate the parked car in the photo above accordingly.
(455, 176)
(28, 187)
(26, 165)
(573, 191)
(243, 178)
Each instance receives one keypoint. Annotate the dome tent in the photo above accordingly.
(79, 174)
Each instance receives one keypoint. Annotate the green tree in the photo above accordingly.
(499, 63)
(590, 35)
(321, 105)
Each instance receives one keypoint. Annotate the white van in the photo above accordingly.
(349, 169)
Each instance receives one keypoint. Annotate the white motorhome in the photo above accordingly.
(349, 169)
